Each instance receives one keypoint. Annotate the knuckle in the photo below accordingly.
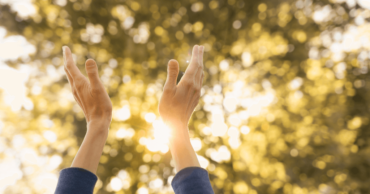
(91, 65)
(74, 92)
(172, 74)
(172, 68)
(167, 90)
(191, 73)
(68, 65)
(93, 73)
(108, 110)
(75, 78)
(78, 85)
(188, 83)
(95, 90)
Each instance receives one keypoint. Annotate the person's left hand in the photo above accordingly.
(179, 101)
(177, 104)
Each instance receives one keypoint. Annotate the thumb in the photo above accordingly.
(92, 72)
(172, 73)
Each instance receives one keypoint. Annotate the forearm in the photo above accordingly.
(182, 151)
(89, 154)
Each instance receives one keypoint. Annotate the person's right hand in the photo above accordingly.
(179, 101)
(97, 107)
(91, 96)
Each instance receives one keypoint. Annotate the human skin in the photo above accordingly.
(94, 101)
(177, 105)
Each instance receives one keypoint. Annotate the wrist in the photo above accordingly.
(176, 125)
(182, 142)
(182, 151)
(92, 146)
(98, 126)
(178, 133)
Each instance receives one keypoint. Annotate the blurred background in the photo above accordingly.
(285, 104)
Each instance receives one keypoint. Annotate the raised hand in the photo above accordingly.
(91, 96)
(177, 105)
(178, 101)
(97, 107)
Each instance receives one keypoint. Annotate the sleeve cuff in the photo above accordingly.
(193, 180)
(76, 180)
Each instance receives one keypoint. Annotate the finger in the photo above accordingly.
(92, 73)
(199, 72)
(200, 56)
(198, 75)
(70, 64)
(197, 78)
(172, 73)
(193, 102)
(201, 80)
(196, 100)
(74, 92)
(192, 68)
(69, 78)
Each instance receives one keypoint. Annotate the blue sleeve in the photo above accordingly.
(76, 180)
(194, 180)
